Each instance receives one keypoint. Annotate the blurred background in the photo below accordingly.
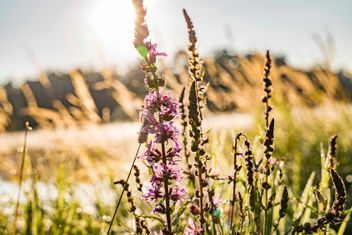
(69, 67)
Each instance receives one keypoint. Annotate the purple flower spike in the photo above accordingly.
(158, 113)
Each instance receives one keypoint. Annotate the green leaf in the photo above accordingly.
(217, 213)
(344, 224)
(143, 51)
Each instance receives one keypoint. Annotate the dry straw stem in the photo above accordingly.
(6, 110)
(86, 101)
(23, 158)
(128, 101)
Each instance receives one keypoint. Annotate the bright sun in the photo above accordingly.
(112, 22)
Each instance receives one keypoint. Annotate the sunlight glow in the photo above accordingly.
(112, 23)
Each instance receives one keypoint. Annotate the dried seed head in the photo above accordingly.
(137, 178)
(194, 209)
(190, 27)
(249, 164)
(340, 193)
(141, 29)
(267, 88)
(195, 107)
(269, 140)
(338, 184)
(184, 120)
(332, 152)
(283, 203)
(193, 104)
(194, 120)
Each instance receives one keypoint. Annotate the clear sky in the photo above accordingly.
(62, 34)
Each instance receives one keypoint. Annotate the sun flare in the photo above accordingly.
(112, 22)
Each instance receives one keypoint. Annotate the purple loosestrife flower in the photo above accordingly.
(157, 106)
(174, 152)
(162, 145)
(159, 101)
(158, 131)
(153, 192)
(149, 121)
(152, 51)
(160, 169)
(193, 229)
(165, 131)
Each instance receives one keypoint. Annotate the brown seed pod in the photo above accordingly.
(340, 193)
(283, 203)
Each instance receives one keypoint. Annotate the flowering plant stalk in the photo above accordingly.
(259, 202)
(269, 141)
(158, 131)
